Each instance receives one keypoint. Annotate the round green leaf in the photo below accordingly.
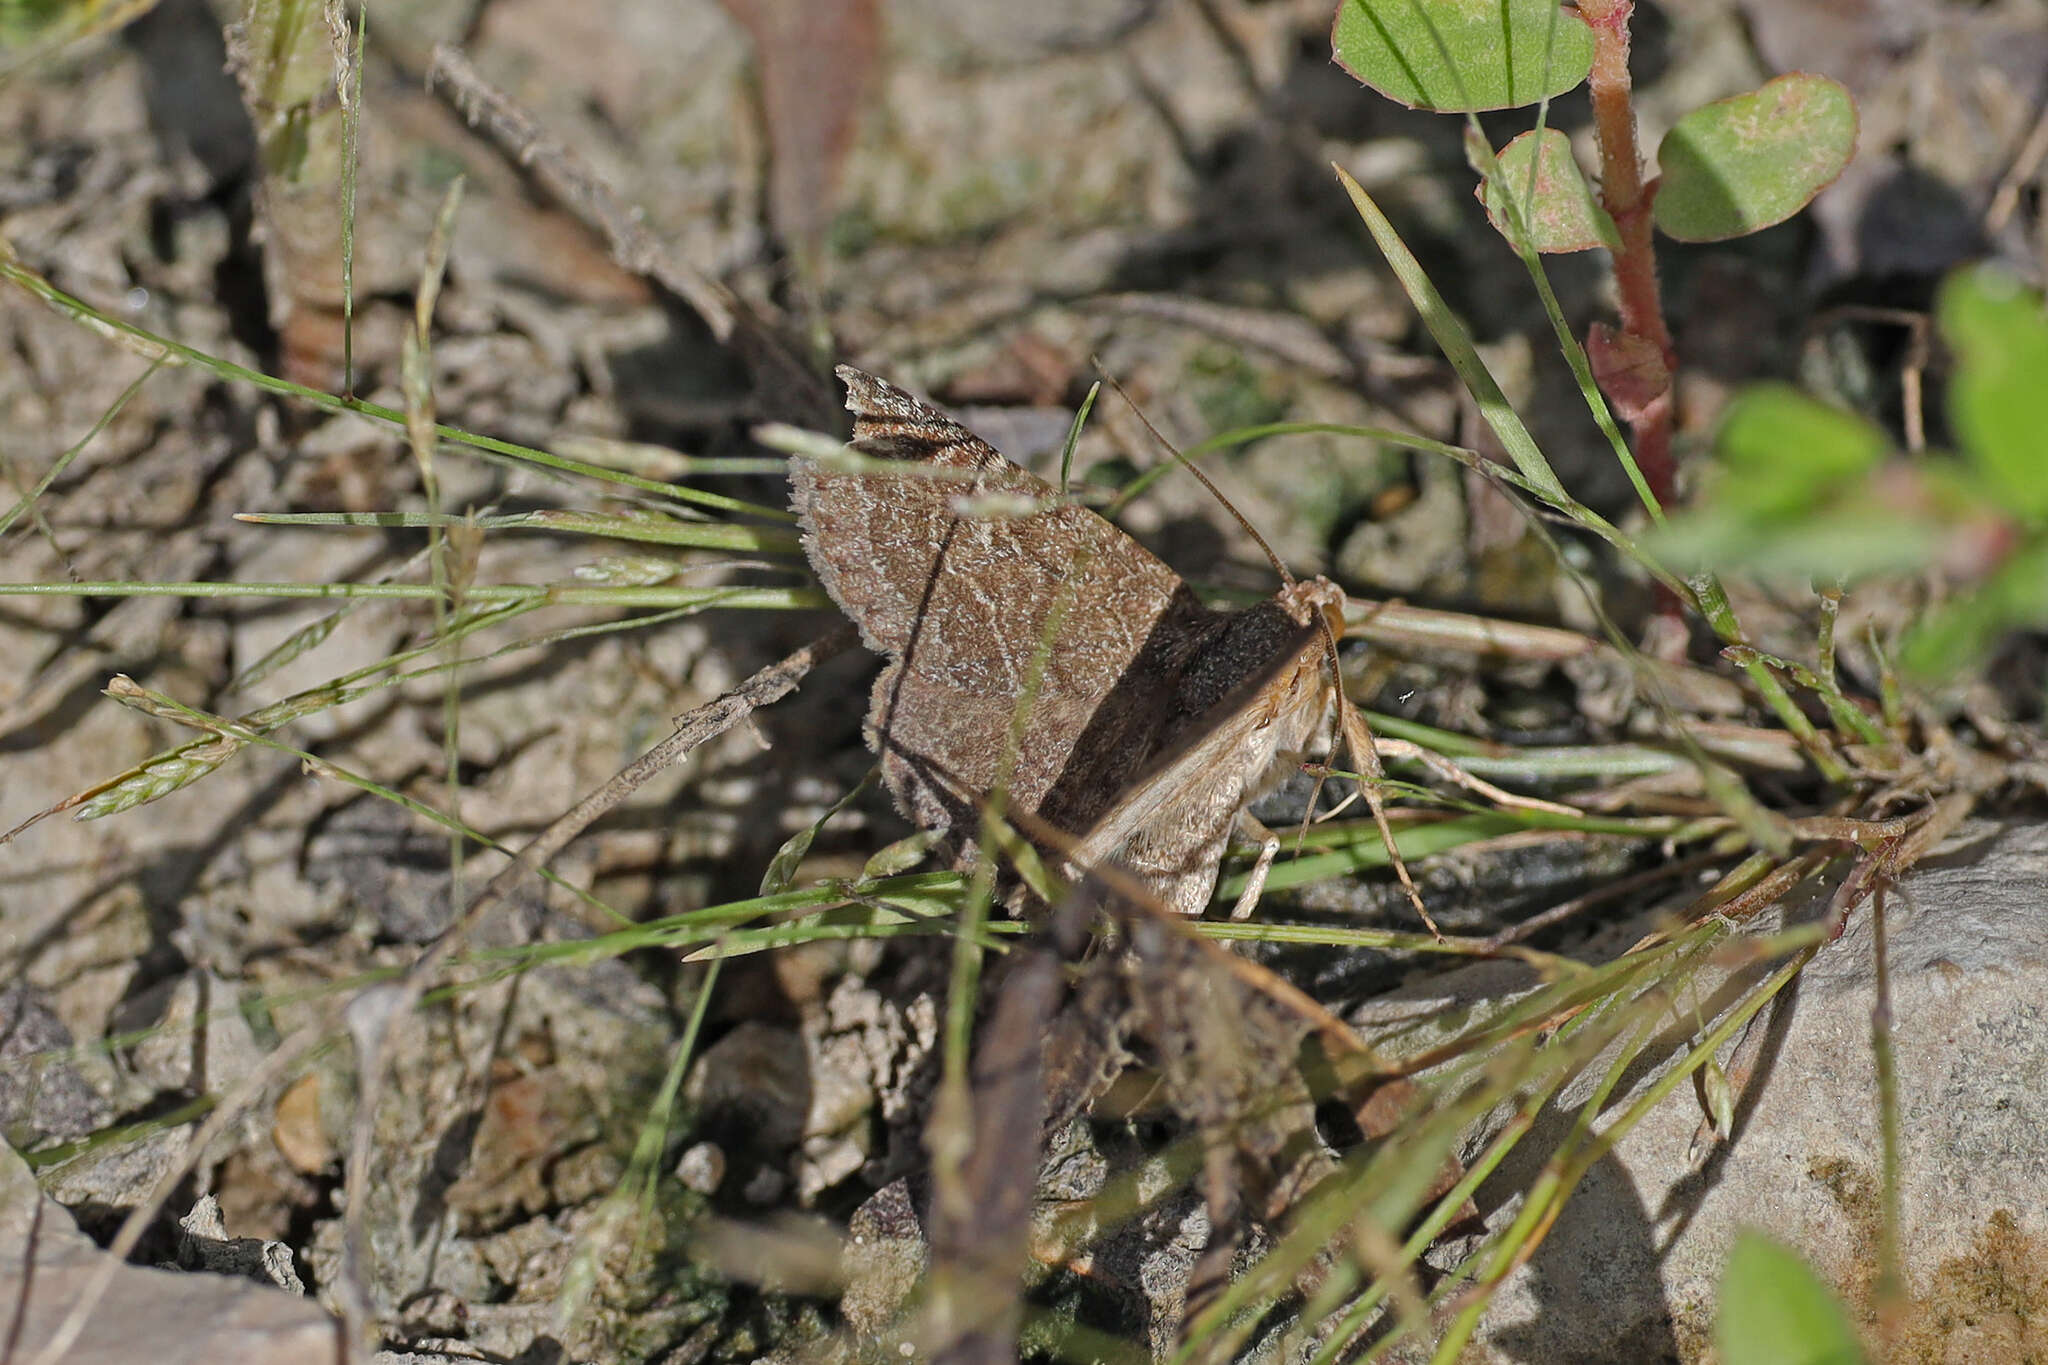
(1557, 206)
(1775, 1311)
(1462, 56)
(1741, 164)
(1998, 399)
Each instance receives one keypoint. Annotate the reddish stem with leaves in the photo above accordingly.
(1634, 366)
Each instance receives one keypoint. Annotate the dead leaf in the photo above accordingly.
(296, 1128)
(815, 58)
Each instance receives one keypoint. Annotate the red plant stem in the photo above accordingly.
(1627, 200)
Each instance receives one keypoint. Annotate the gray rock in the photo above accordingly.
(42, 1094)
(166, 1317)
(800, 1105)
(205, 1245)
(1630, 1271)
(756, 1079)
(193, 1036)
(379, 860)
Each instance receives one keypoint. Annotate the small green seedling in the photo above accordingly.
(1805, 489)
(1729, 168)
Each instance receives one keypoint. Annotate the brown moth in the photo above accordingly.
(1156, 718)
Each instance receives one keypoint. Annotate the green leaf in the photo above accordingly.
(1998, 399)
(1792, 496)
(1741, 164)
(1557, 205)
(1950, 639)
(1784, 452)
(1849, 543)
(1775, 1311)
(1955, 637)
(781, 873)
(1455, 340)
(900, 856)
(1462, 56)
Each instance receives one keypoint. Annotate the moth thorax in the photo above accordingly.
(1304, 599)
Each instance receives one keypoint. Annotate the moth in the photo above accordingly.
(1154, 720)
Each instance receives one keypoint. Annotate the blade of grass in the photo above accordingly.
(701, 535)
(63, 462)
(349, 86)
(1567, 341)
(127, 691)
(1353, 846)
(1456, 344)
(15, 272)
(1546, 1197)
(1074, 437)
(1241, 436)
(416, 377)
(635, 1192)
(539, 594)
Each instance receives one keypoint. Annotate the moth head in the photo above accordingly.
(1319, 602)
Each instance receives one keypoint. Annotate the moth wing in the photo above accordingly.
(961, 571)
(1169, 827)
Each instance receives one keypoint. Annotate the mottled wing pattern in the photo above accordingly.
(954, 579)
(1156, 718)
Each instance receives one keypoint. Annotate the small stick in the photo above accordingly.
(1449, 771)
(1912, 369)
(2007, 197)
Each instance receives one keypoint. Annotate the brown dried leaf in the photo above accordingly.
(815, 59)
(1630, 370)
(297, 1130)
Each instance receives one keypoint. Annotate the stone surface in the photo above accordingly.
(489, 1171)
(1630, 1271)
(812, 1105)
(42, 1095)
(166, 1317)
(205, 1245)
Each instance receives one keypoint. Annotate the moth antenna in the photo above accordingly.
(1189, 465)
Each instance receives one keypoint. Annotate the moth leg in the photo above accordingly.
(1358, 740)
(1269, 849)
